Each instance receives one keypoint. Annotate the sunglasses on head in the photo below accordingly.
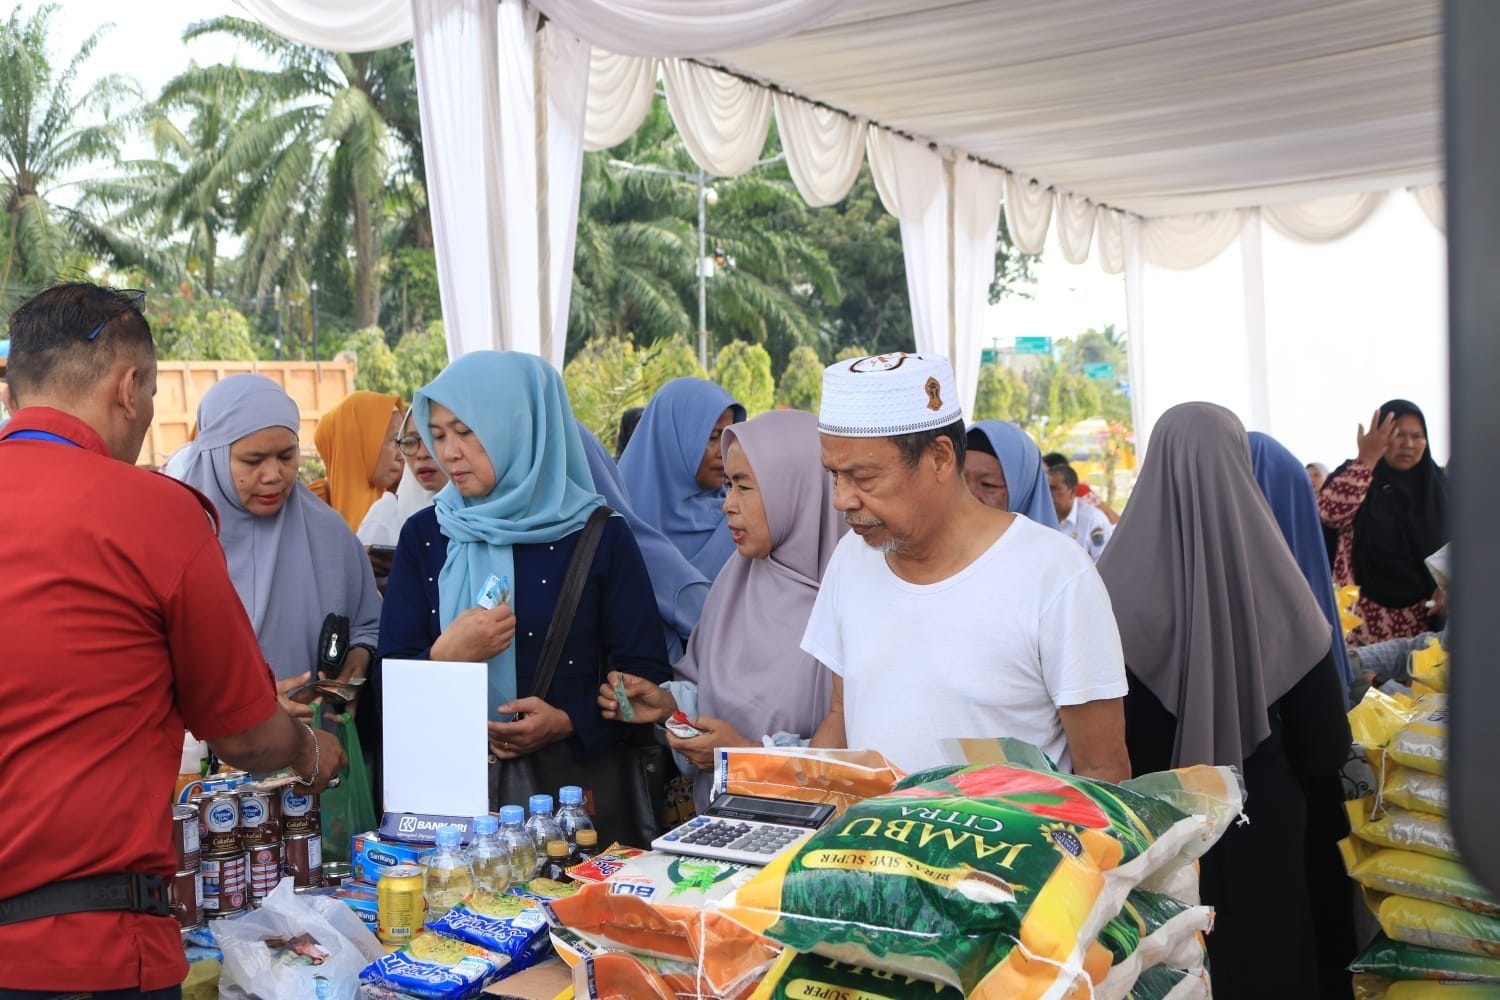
(135, 295)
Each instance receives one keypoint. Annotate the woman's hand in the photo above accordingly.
(476, 635)
(651, 703)
(700, 750)
(1374, 443)
(540, 725)
(299, 710)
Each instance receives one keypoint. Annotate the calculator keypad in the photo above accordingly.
(752, 838)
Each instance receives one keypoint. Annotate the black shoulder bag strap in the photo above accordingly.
(567, 601)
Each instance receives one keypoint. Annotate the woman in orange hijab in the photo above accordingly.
(357, 441)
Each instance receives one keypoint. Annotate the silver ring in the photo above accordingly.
(333, 782)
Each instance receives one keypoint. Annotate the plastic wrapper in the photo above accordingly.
(1429, 666)
(1433, 925)
(1367, 987)
(434, 967)
(1423, 742)
(1407, 873)
(605, 864)
(1418, 791)
(994, 880)
(1396, 960)
(295, 947)
(507, 924)
(1165, 983)
(839, 778)
(1402, 829)
(661, 905)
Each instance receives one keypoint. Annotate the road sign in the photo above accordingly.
(989, 356)
(1033, 345)
(1103, 371)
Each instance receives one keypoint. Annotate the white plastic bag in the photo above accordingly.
(294, 948)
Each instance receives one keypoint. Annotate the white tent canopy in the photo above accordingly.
(1152, 133)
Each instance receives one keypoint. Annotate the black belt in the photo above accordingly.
(128, 891)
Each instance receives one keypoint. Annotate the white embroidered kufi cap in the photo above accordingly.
(888, 395)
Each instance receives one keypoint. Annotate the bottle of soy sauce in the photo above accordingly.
(588, 847)
(557, 864)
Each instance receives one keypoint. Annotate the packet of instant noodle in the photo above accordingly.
(1420, 876)
(1402, 829)
(994, 880)
(507, 924)
(435, 967)
(1397, 960)
(838, 778)
(661, 905)
(604, 864)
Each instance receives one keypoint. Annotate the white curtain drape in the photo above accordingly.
(878, 151)
(721, 119)
(1111, 240)
(336, 24)
(1323, 219)
(824, 148)
(977, 192)
(1434, 203)
(1075, 227)
(1028, 212)
(684, 27)
(1183, 242)
(621, 89)
(458, 83)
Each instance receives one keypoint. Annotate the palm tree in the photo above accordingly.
(310, 167)
(49, 132)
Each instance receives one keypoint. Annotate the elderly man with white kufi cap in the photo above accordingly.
(941, 617)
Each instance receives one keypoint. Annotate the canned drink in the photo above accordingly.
(185, 895)
(337, 873)
(299, 812)
(400, 907)
(303, 859)
(260, 816)
(265, 870)
(185, 837)
(219, 822)
(225, 883)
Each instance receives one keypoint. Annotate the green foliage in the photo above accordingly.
(1057, 399)
(852, 352)
(610, 375)
(198, 329)
(801, 385)
(744, 371)
(376, 369)
(410, 287)
(420, 355)
(1002, 395)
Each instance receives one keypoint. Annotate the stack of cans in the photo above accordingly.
(301, 837)
(185, 891)
(225, 866)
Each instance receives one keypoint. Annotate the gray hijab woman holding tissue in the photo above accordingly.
(744, 675)
(292, 558)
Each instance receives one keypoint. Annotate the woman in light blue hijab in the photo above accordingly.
(680, 589)
(518, 497)
(1004, 469)
(674, 469)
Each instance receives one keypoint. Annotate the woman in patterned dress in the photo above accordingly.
(1389, 508)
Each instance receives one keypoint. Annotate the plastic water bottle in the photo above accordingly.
(518, 844)
(449, 878)
(489, 856)
(571, 817)
(543, 827)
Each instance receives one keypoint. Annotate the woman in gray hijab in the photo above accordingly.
(291, 557)
(1229, 661)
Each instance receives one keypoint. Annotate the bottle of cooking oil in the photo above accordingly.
(450, 878)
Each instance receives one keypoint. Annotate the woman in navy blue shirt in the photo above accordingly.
(520, 492)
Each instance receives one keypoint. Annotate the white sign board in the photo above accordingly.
(435, 756)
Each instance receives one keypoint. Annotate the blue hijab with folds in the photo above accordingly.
(1025, 475)
(1283, 479)
(518, 409)
(660, 469)
(680, 588)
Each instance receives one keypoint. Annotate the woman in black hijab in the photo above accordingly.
(1230, 662)
(1390, 509)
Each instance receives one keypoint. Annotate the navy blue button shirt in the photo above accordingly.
(617, 626)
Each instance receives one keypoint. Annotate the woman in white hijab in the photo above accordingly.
(291, 557)
(421, 478)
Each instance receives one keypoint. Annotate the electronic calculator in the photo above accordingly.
(745, 829)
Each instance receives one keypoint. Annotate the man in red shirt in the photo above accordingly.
(119, 626)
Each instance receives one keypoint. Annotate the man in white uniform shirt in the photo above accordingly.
(938, 616)
(1077, 518)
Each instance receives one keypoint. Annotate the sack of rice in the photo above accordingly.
(1367, 987)
(994, 880)
(1396, 960)
(1420, 876)
(1402, 829)
(1423, 742)
(1433, 925)
(1418, 791)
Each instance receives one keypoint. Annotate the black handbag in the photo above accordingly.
(624, 787)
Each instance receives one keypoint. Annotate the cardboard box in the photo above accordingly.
(547, 980)
(370, 855)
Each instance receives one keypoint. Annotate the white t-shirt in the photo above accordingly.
(1087, 525)
(991, 651)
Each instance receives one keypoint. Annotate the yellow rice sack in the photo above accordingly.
(1433, 925)
(1402, 829)
(1367, 987)
(1423, 742)
(1406, 873)
(1419, 791)
(1429, 666)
